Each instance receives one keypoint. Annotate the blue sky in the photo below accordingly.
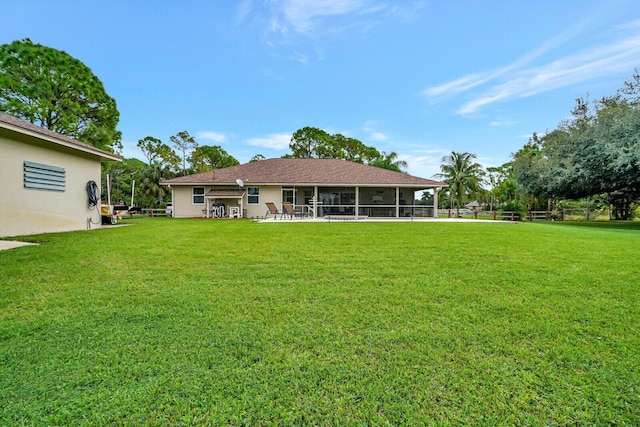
(421, 78)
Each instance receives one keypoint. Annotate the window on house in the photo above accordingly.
(44, 177)
(198, 195)
(253, 195)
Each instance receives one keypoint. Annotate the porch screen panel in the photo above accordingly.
(38, 176)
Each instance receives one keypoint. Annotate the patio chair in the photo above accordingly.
(287, 210)
(300, 212)
(271, 210)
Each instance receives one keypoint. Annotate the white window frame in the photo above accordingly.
(255, 196)
(194, 195)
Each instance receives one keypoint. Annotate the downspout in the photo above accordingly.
(436, 190)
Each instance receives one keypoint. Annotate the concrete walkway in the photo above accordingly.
(376, 219)
(10, 244)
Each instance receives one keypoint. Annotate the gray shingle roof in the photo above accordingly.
(305, 172)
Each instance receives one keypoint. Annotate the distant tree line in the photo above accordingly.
(50, 88)
(595, 155)
(593, 158)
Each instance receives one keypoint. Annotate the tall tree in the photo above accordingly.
(185, 143)
(121, 175)
(50, 88)
(463, 175)
(150, 147)
(158, 152)
(307, 142)
(595, 153)
(352, 149)
(206, 158)
(314, 143)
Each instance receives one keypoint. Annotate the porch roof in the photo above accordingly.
(325, 172)
(229, 194)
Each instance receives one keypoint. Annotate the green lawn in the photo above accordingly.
(194, 322)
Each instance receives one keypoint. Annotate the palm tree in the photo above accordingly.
(152, 192)
(463, 175)
(389, 161)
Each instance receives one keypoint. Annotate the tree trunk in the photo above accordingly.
(622, 209)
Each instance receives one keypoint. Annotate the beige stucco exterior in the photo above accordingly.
(183, 206)
(315, 188)
(371, 201)
(26, 211)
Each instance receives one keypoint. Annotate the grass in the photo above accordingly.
(192, 322)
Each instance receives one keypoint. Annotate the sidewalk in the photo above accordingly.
(10, 244)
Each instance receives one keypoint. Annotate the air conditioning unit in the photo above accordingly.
(234, 212)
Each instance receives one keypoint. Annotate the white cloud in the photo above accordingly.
(373, 134)
(211, 136)
(300, 57)
(425, 164)
(243, 9)
(317, 17)
(501, 123)
(378, 136)
(303, 15)
(516, 80)
(276, 141)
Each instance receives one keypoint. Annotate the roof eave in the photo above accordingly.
(104, 156)
(309, 184)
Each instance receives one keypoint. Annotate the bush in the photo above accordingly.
(518, 208)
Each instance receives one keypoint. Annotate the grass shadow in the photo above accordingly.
(603, 225)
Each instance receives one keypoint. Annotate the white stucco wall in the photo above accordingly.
(28, 211)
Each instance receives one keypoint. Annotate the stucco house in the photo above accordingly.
(44, 179)
(317, 187)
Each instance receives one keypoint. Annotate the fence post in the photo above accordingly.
(475, 214)
(546, 215)
(512, 215)
(495, 215)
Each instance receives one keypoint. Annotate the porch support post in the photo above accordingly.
(315, 201)
(207, 204)
(173, 197)
(435, 202)
(397, 202)
(357, 207)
